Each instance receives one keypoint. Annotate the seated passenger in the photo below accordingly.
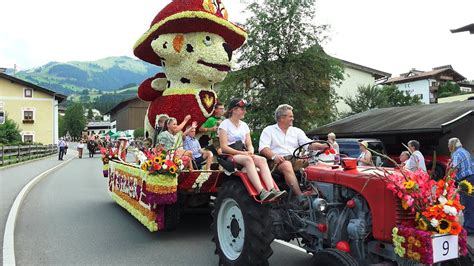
(279, 141)
(209, 139)
(404, 157)
(233, 131)
(199, 155)
(171, 138)
(365, 157)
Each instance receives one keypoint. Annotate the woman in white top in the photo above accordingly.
(332, 141)
(233, 130)
(365, 157)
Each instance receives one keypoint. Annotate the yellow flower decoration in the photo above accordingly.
(466, 187)
(422, 225)
(173, 169)
(158, 159)
(209, 6)
(149, 163)
(444, 226)
(416, 256)
(417, 216)
(409, 184)
(411, 239)
(417, 243)
(144, 166)
(405, 204)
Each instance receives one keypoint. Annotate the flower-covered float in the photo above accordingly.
(193, 41)
(435, 234)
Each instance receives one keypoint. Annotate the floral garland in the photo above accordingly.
(144, 191)
(415, 244)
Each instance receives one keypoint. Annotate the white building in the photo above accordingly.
(425, 84)
(356, 75)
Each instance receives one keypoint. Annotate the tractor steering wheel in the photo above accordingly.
(302, 153)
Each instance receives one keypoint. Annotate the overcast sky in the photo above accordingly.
(391, 36)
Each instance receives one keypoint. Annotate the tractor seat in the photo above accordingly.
(228, 163)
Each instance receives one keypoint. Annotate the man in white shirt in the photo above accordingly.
(278, 142)
(416, 161)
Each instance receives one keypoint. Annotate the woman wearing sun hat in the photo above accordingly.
(365, 157)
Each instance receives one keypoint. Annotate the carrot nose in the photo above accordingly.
(178, 42)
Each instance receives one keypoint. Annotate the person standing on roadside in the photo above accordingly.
(461, 160)
(80, 148)
(416, 161)
(62, 147)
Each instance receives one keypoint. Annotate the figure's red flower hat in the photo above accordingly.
(185, 16)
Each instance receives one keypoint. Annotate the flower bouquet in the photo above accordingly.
(436, 212)
(160, 161)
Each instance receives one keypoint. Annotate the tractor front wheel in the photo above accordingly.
(241, 227)
(333, 257)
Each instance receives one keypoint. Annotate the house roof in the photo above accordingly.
(410, 119)
(437, 73)
(121, 104)
(376, 73)
(469, 28)
(57, 96)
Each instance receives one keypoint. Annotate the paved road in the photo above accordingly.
(69, 219)
(14, 178)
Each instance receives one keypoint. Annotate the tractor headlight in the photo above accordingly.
(320, 204)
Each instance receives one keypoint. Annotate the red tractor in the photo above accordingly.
(349, 219)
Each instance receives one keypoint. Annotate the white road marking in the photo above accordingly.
(9, 235)
(290, 245)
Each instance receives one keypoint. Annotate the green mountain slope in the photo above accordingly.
(108, 74)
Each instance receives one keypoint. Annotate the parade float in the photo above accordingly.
(193, 42)
(355, 215)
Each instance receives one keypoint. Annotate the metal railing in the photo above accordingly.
(15, 154)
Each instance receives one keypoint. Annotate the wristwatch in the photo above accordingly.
(273, 157)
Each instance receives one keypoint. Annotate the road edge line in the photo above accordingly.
(284, 243)
(9, 234)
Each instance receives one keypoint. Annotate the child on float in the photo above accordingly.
(171, 138)
(233, 132)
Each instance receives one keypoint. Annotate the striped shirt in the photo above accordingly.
(461, 160)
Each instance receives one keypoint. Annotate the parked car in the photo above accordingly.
(350, 147)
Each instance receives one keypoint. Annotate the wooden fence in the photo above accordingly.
(15, 154)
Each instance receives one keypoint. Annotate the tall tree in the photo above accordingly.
(282, 62)
(74, 120)
(369, 97)
(447, 89)
(9, 132)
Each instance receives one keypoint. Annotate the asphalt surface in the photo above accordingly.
(68, 218)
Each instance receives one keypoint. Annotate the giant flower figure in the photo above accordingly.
(193, 41)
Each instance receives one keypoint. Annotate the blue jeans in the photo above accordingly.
(468, 202)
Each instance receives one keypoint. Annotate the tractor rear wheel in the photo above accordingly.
(333, 257)
(241, 227)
